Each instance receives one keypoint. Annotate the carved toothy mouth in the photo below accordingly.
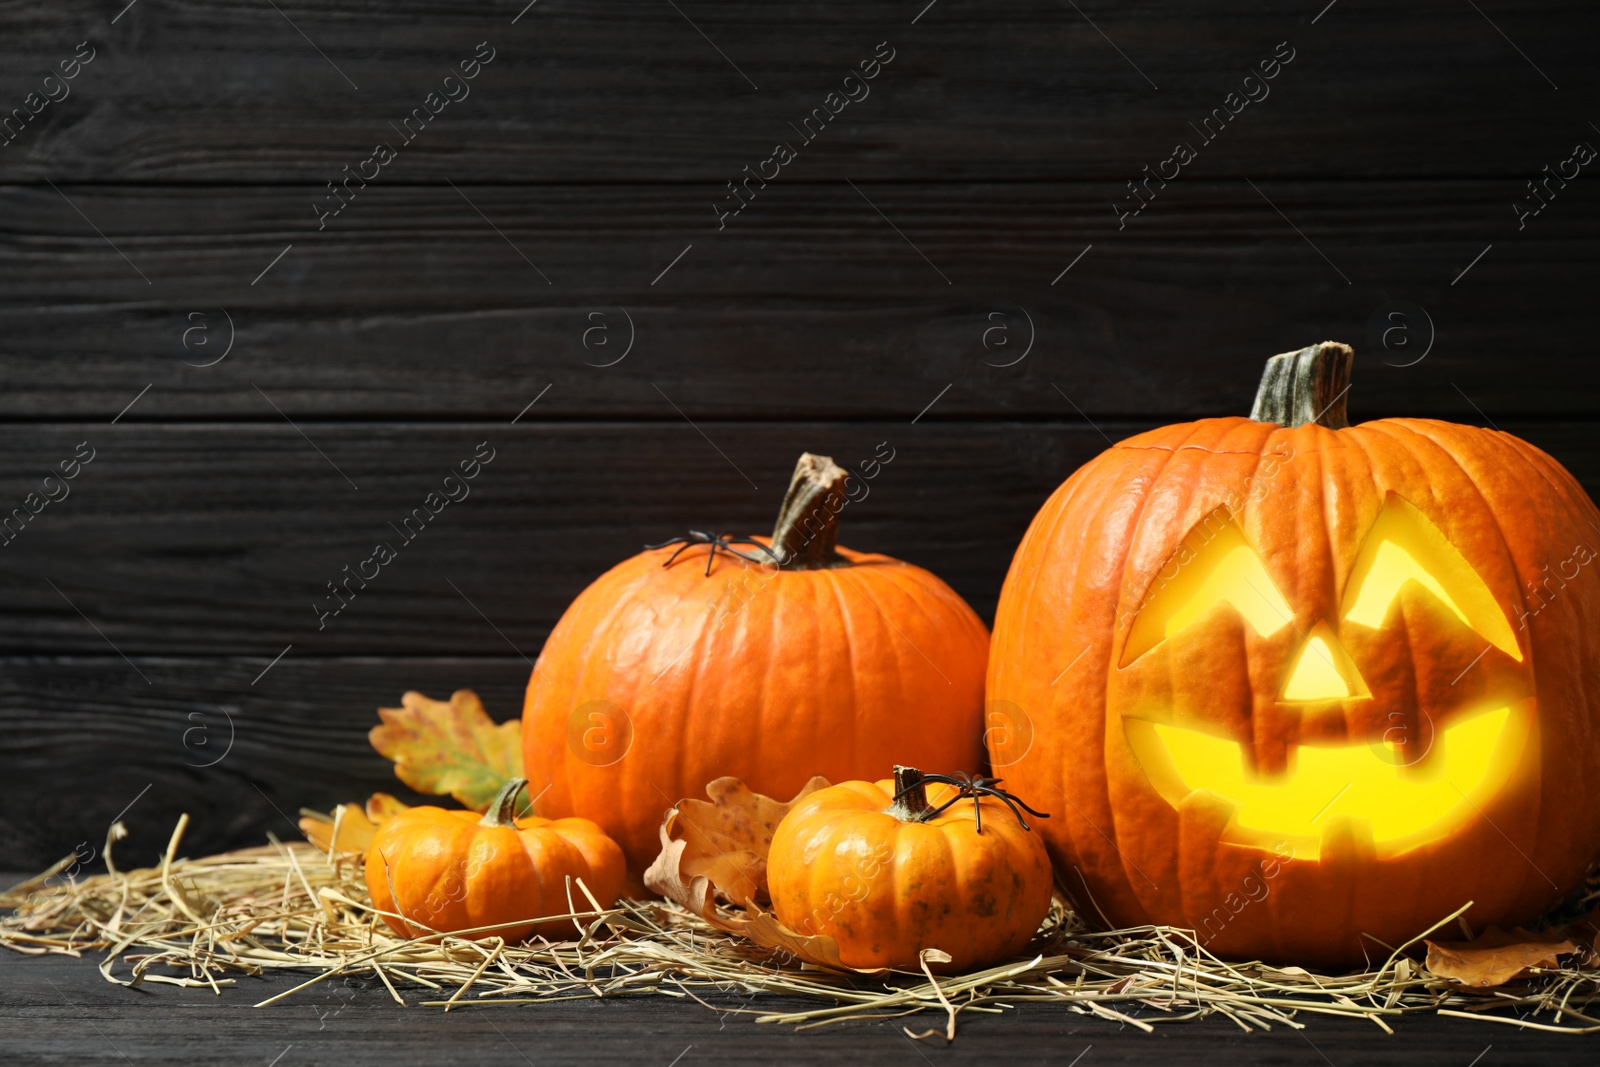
(1352, 793)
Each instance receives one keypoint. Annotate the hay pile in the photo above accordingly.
(288, 907)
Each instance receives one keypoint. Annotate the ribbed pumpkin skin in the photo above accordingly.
(1096, 547)
(886, 889)
(451, 874)
(840, 672)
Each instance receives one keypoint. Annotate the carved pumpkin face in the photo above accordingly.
(1286, 687)
(1375, 772)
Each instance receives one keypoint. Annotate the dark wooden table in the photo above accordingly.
(957, 263)
(59, 1010)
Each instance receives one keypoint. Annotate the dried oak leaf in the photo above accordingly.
(726, 838)
(351, 826)
(453, 747)
(1495, 957)
(718, 849)
(819, 949)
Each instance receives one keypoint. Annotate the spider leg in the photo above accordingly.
(1022, 804)
(1010, 802)
(694, 537)
(670, 559)
(749, 541)
(978, 786)
(947, 804)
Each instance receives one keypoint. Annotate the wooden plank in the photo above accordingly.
(807, 306)
(352, 1021)
(238, 91)
(86, 738)
(222, 539)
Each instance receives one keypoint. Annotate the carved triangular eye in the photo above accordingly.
(1403, 546)
(1215, 564)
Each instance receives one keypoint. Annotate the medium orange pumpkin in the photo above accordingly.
(1292, 682)
(686, 664)
(888, 869)
(448, 871)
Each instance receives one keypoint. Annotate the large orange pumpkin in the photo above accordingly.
(690, 662)
(1288, 682)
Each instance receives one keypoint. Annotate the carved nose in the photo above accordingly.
(1323, 670)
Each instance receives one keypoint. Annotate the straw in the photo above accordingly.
(291, 908)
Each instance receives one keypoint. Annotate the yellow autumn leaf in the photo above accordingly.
(453, 747)
(351, 826)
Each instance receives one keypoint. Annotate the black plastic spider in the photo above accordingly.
(716, 541)
(974, 787)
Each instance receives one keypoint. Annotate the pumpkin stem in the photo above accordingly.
(808, 522)
(911, 796)
(1306, 386)
(502, 809)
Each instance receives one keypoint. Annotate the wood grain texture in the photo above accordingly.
(230, 90)
(808, 305)
(59, 1010)
(220, 539)
(86, 738)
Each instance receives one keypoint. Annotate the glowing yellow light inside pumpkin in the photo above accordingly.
(1241, 579)
(1316, 676)
(1391, 568)
(1219, 566)
(1351, 780)
(1403, 546)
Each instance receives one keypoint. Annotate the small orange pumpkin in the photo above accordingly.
(452, 871)
(888, 869)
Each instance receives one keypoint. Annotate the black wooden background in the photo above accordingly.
(942, 268)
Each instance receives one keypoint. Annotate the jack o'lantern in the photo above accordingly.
(1303, 687)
